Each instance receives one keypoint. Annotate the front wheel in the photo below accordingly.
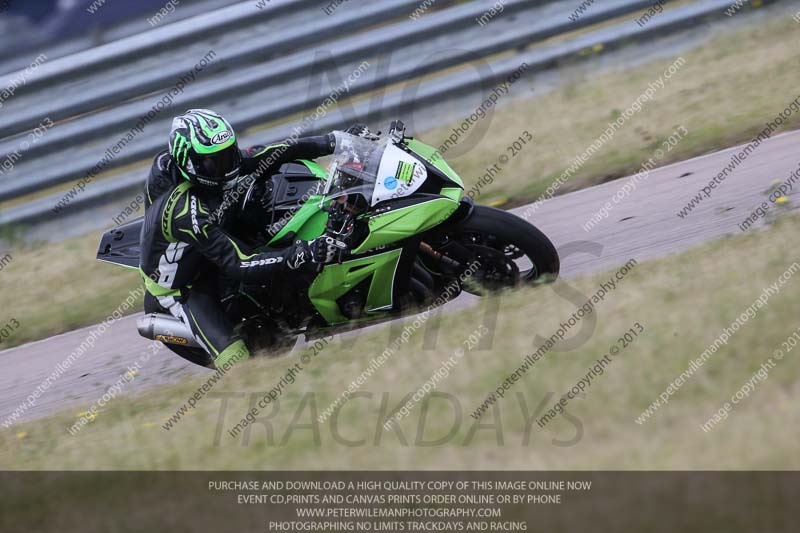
(504, 251)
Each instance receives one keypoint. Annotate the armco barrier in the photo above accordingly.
(544, 20)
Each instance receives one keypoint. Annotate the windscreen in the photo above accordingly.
(354, 167)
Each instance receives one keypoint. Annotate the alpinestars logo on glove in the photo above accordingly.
(297, 260)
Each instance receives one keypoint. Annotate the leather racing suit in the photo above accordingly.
(185, 245)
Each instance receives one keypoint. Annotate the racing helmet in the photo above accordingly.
(204, 148)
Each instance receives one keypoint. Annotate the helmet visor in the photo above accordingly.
(220, 166)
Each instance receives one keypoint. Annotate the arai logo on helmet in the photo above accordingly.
(221, 137)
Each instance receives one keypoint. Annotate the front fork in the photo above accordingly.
(438, 247)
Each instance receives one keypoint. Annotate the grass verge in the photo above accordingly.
(59, 287)
(724, 94)
(683, 302)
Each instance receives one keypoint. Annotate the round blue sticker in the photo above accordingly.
(390, 183)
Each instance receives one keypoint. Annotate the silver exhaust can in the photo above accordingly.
(167, 329)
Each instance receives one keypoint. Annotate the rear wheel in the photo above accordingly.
(507, 251)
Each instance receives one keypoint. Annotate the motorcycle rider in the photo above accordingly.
(184, 231)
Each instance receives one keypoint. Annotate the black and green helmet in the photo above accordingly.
(203, 147)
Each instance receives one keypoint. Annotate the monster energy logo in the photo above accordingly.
(181, 146)
(405, 172)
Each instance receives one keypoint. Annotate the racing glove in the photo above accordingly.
(324, 249)
(397, 130)
(321, 250)
(361, 130)
(299, 255)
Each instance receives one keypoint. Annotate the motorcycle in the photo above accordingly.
(409, 238)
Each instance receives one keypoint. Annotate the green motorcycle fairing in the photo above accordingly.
(432, 156)
(336, 280)
(315, 168)
(385, 228)
(398, 224)
(307, 224)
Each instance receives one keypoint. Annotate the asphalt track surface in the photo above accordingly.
(641, 226)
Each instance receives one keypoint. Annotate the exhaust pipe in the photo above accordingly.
(167, 329)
